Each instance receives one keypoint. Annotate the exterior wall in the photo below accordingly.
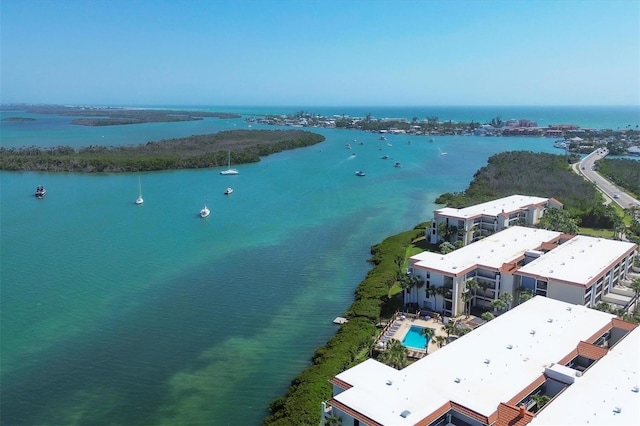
(566, 293)
(531, 215)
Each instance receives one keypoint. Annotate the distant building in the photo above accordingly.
(544, 362)
(474, 222)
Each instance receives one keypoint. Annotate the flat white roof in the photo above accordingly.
(479, 370)
(493, 251)
(492, 208)
(579, 260)
(610, 383)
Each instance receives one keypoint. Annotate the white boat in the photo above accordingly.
(205, 211)
(441, 153)
(40, 192)
(229, 170)
(360, 173)
(228, 191)
(139, 200)
(398, 164)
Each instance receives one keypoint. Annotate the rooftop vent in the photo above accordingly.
(532, 332)
(509, 346)
(569, 308)
(487, 361)
(405, 414)
(389, 382)
(617, 410)
(457, 380)
(550, 320)
(634, 389)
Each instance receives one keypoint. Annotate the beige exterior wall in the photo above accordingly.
(566, 293)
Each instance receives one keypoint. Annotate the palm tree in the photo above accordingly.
(428, 333)
(472, 286)
(438, 291)
(498, 305)
(405, 284)
(466, 299)
(450, 328)
(417, 283)
(440, 340)
(507, 298)
(432, 292)
(395, 355)
(635, 286)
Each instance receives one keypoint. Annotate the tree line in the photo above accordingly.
(198, 151)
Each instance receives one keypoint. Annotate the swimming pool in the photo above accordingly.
(414, 338)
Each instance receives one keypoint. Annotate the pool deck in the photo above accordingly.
(401, 324)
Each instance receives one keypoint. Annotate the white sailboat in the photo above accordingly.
(139, 200)
(229, 170)
(205, 211)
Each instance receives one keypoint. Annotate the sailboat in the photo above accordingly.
(229, 170)
(441, 153)
(139, 200)
(205, 211)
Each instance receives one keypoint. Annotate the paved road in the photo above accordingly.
(611, 191)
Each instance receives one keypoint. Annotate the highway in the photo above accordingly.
(611, 191)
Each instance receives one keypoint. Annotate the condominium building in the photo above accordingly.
(472, 223)
(543, 362)
(575, 269)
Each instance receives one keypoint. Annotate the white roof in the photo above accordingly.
(479, 370)
(579, 260)
(492, 252)
(492, 208)
(608, 384)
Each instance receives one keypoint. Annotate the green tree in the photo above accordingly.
(395, 355)
(417, 283)
(428, 333)
(405, 284)
(635, 286)
(558, 220)
(471, 286)
(499, 305)
(447, 247)
(487, 316)
(507, 298)
(440, 340)
(603, 306)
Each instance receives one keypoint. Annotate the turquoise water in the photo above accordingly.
(113, 313)
(414, 338)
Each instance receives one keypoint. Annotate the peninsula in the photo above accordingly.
(199, 151)
(113, 116)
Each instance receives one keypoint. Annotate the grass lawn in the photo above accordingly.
(599, 233)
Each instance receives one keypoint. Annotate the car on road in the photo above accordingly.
(616, 196)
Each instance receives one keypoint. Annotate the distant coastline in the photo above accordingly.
(18, 119)
(107, 116)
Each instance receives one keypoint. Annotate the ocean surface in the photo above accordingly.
(114, 313)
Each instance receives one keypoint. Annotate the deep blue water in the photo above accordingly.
(113, 313)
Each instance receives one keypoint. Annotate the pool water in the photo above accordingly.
(414, 338)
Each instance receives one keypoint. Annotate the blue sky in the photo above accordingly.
(322, 52)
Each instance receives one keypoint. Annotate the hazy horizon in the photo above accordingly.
(321, 53)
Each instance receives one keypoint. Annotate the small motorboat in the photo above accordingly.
(228, 191)
(398, 164)
(360, 173)
(205, 211)
(385, 157)
(40, 192)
